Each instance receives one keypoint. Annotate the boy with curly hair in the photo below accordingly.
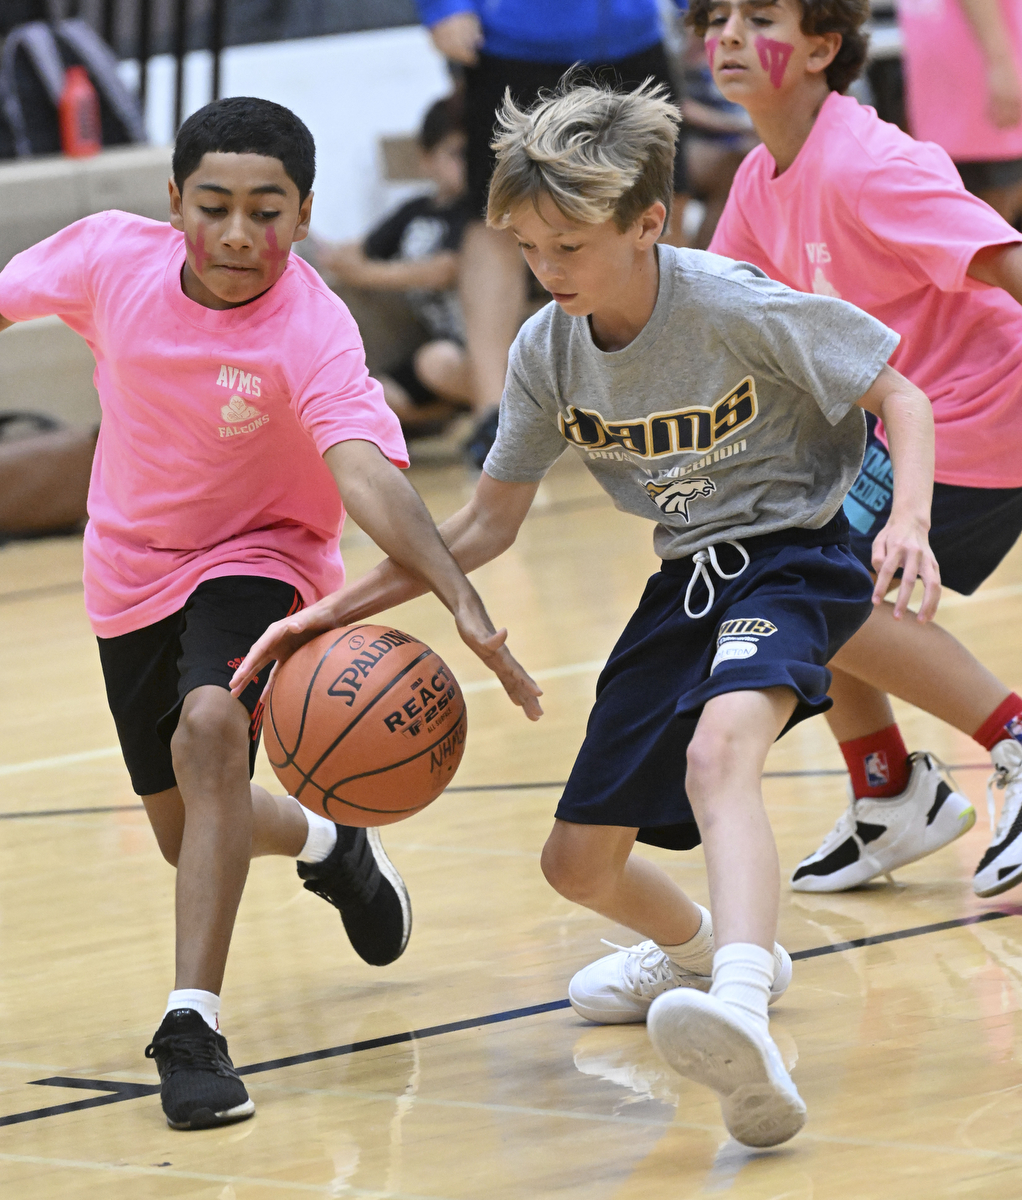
(839, 203)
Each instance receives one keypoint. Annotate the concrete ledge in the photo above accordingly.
(46, 367)
(40, 196)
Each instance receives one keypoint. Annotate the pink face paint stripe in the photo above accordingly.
(198, 251)
(773, 57)
(274, 255)
(711, 50)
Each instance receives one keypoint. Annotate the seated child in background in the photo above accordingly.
(415, 250)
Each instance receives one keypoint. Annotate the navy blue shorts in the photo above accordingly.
(779, 623)
(971, 529)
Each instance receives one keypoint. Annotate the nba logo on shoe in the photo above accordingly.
(1014, 727)
(877, 774)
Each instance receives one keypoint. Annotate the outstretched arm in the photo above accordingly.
(904, 541)
(419, 561)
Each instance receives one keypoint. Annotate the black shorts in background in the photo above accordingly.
(484, 95)
(149, 671)
(971, 529)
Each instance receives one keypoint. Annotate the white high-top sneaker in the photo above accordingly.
(874, 837)
(1001, 867)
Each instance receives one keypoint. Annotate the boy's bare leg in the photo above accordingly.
(493, 298)
(921, 664)
(593, 865)
(210, 753)
(724, 784)
(278, 823)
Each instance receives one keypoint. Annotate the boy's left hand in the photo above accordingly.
(478, 634)
(903, 544)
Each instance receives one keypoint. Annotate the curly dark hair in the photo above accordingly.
(818, 16)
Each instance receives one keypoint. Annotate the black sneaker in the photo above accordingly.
(482, 438)
(359, 880)
(199, 1087)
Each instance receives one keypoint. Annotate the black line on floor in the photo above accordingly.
(917, 931)
(117, 1091)
(480, 787)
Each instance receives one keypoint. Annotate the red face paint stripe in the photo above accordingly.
(273, 254)
(711, 50)
(773, 57)
(198, 251)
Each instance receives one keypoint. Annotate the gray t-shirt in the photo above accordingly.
(731, 414)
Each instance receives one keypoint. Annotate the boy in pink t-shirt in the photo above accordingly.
(963, 60)
(238, 426)
(837, 202)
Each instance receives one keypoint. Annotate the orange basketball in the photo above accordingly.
(365, 725)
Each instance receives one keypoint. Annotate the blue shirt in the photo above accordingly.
(558, 31)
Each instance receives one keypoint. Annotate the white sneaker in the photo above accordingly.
(1001, 867)
(874, 837)
(618, 989)
(712, 1043)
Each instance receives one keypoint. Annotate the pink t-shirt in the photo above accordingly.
(209, 459)
(870, 216)
(946, 79)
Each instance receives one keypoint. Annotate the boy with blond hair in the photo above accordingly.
(838, 202)
(724, 408)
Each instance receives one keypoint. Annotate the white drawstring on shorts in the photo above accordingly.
(701, 558)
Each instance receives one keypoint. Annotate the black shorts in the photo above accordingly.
(149, 671)
(778, 623)
(984, 176)
(484, 95)
(971, 529)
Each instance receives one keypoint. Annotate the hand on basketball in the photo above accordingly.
(489, 645)
(279, 642)
(904, 545)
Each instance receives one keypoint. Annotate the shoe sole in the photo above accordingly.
(1002, 885)
(703, 1044)
(390, 873)
(963, 820)
(205, 1118)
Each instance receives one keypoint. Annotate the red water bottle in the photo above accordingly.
(78, 111)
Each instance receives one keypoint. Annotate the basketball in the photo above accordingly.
(365, 725)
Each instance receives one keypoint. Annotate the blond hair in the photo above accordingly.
(598, 153)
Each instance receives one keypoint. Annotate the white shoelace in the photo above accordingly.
(1007, 778)
(650, 966)
(701, 558)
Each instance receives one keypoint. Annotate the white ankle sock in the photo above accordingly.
(696, 954)
(321, 840)
(205, 1004)
(742, 975)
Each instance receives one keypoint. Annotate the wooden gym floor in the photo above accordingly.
(459, 1073)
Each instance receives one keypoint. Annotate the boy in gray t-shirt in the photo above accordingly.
(727, 409)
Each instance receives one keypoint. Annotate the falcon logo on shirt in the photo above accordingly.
(675, 497)
(241, 417)
(238, 410)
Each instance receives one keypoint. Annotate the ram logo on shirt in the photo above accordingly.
(676, 496)
(695, 428)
